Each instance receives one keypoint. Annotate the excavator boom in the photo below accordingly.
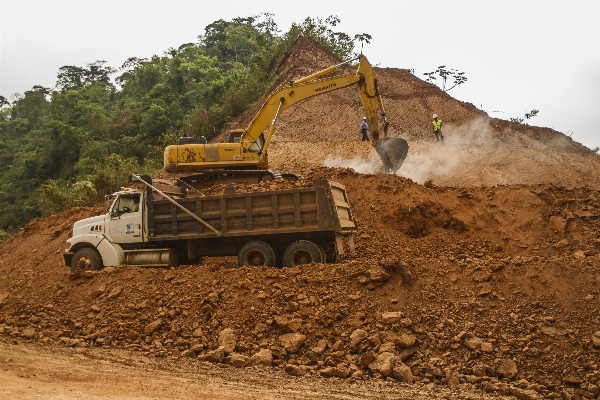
(248, 148)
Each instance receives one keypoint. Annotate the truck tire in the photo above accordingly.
(86, 259)
(255, 254)
(302, 252)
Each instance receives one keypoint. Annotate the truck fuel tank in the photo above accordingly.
(152, 257)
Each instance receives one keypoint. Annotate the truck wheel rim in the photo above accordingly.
(255, 258)
(83, 263)
(302, 257)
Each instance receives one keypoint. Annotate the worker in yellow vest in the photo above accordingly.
(437, 128)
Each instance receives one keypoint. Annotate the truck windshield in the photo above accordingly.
(126, 204)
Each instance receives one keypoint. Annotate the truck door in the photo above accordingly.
(126, 219)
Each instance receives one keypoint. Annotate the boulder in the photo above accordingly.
(401, 371)
(214, 356)
(387, 347)
(401, 339)
(357, 336)
(366, 359)
(227, 340)
(507, 368)
(473, 342)
(487, 347)
(291, 342)
(294, 370)
(114, 293)
(288, 325)
(152, 327)
(389, 318)
(561, 244)
(197, 348)
(377, 274)
(238, 360)
(264, 357)
(383, 364)
(579, 254)
(334, 372)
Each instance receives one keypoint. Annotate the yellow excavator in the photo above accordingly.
(245, 157)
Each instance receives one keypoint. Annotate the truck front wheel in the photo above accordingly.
(86, 259)
(255, 254)
(302, 252)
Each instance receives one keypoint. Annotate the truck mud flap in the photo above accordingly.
(339, 243)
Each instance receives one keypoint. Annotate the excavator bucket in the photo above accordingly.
(392, 152)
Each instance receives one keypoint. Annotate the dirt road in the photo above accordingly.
(33, 371)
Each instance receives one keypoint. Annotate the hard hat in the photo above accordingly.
(364, 117)
(434, 115)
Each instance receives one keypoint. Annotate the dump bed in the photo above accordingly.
(321, 208)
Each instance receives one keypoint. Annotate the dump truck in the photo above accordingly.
(154, 225)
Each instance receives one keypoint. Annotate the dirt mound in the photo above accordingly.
(491, 283)
(490, 288)
(478, 150)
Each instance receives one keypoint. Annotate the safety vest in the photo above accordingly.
(437, 125)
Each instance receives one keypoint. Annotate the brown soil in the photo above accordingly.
(490, 270)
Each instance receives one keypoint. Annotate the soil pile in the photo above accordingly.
(483, 285)
(478, 150)
(490, 288)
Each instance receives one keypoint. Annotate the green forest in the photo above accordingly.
(72, 144)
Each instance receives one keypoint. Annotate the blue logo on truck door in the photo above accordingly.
(129, 229)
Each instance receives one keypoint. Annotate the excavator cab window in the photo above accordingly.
(258, 144)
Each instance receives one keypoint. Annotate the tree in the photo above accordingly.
(363, 38)
(71, 77)
(442, 72)
(528, 115)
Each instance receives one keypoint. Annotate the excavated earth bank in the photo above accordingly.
(482, 275)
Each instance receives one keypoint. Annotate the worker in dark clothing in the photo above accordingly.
(437, 128)
(364, 127)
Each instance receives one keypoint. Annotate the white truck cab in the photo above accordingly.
(98, 241)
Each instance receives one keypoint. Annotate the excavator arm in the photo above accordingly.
(391, 151)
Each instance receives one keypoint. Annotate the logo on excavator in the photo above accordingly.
(325, 87)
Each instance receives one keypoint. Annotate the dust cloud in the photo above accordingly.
(427, 160)
(359, 164)
(463, 145)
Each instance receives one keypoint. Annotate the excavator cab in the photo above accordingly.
(235, 136)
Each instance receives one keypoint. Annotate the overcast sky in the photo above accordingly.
(516, 55)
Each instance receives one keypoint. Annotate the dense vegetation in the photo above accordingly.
(73, 144)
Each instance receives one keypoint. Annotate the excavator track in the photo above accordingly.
(209, 178)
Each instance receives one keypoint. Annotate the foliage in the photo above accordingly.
(444, 74)
(596, 150)
(528, 115)
(72, 144)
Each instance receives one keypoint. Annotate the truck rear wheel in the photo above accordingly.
(86, 259)
(302, 252)
(255, 254)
